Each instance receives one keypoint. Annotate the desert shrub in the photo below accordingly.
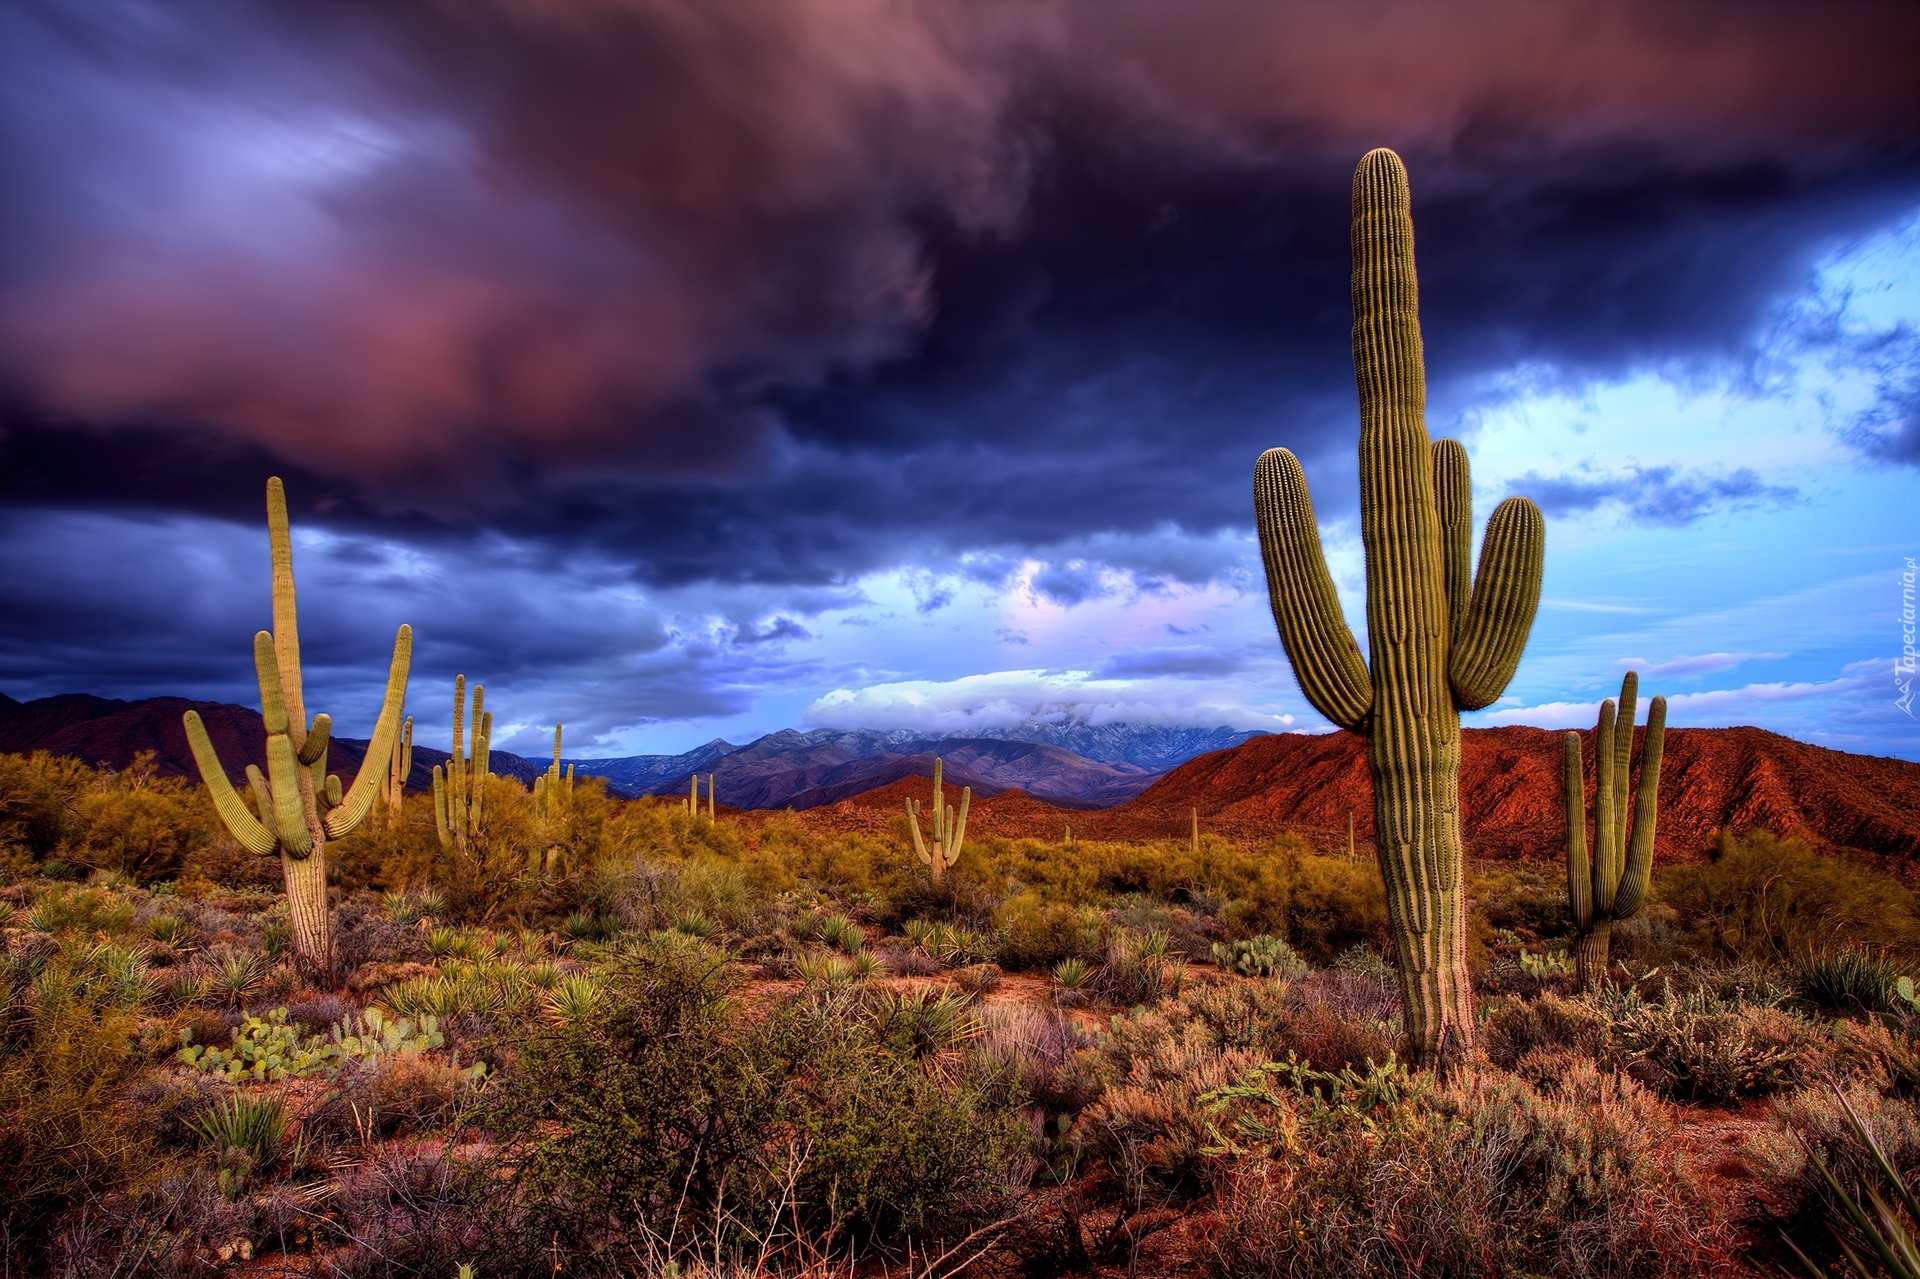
(86, 911)
(666, 1099)
(1703, 1047)
(1138, 970)
(1818, 1116)
(66, 1133)
(1522, 899)
(1372, 1176)
(1034, 933)
(139, 824)
(1516, 1027)
(1763, 897)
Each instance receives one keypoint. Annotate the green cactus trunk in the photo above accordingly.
(299, 807)
(1442, 640)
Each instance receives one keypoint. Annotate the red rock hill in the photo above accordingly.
(1510, 795)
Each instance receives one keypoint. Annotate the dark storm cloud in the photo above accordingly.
(779, 291)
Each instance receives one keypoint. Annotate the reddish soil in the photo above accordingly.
(1511, 796)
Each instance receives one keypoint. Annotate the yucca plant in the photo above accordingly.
(255, 1127)
(1072, 974)
(843, 934)
(1888, 1235)
(924, 1022)
(432, 904)
(501, 944)
(693, 924)
(580, 926)
(825, 968)
(170, 930)
(237, 975)
(1848, 981)
(442, 942)
(401, 908)
(571, 999)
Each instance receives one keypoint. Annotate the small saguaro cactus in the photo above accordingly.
(299, 805)
(459, 790)
(1196, 833)
(1610, 886)
(1442, 640)
(399, 767)
(949, 827)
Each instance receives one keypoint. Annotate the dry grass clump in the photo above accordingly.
(1488, 1175)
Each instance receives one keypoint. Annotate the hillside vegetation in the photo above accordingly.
(620, 1038)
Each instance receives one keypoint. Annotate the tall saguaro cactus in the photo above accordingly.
(552, 789)
(299, 805)
(1442, 639)
(459, 790)
(949, 827)
(1610, 886)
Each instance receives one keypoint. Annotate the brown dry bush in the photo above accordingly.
(1490, 1175)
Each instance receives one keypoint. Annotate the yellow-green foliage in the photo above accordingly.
(131, 821)
(1762, 897)
(66, 1057)
(1319, 904)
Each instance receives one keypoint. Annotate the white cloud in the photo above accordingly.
(1688, 666)
(1007, 698)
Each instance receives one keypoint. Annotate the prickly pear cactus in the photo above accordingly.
(1441, 638)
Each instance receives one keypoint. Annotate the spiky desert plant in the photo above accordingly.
(459, 789)
(949, 827)
(1611, 885)
(299, 805)
(1439, 643)
(399, 767)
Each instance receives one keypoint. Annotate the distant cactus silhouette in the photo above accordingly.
(300, 806)
(1442, 640)
(1611, 886)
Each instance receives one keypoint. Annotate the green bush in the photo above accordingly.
(1767, 898)
(665, 1099)
(67, 1135)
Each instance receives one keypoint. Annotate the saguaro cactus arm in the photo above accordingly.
(245, 828)
(1579, 866)
(1306, 608)
(283, 764)
(1453, 501)
(366, 783)
(286, 618)
(1638, 873)
(1506, 594)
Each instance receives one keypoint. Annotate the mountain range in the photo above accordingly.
(781, 770)
(1511, 796)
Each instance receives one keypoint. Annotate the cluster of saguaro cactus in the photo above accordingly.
(399, 767)
(1442, 639)
(459, 790)
(552, 790)
(1610, 886)
(299, 806)
(693, 797)
(949, 827)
